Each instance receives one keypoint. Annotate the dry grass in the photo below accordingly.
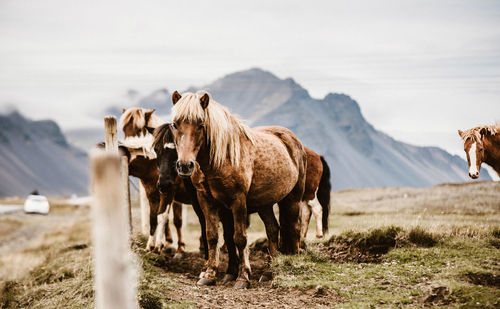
(388, 247)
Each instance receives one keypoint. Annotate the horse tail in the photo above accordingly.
(323, 194)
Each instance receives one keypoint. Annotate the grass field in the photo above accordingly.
(387, 247)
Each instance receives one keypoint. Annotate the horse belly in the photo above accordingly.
(274, 173)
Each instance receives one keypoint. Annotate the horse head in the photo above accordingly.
(166, 156)
(474, 148)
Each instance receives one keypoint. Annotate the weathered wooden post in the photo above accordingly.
(111, 138)
(126, 191)
(143, 200)
(115, 278)
(111, 134)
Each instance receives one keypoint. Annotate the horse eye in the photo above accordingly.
(201, 126)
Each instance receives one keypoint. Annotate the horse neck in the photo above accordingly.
(492, 151)
(203, 158)
(145, 170)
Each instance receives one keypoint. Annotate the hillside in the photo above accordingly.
(359, 155)
(36, 155)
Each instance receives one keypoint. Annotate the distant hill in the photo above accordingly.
(359, 155)
(36, 155)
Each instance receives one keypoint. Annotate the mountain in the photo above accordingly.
(359, 155)
(36, 155)
(334, 126)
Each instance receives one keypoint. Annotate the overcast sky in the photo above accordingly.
(419, 69)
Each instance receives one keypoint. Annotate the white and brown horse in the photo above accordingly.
(317, 192)
(244, 170)
(482, 144)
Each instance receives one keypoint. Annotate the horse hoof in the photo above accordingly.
(240, 285)
(266, 277)
(169, 250)
(319, 236)
(228, 278)
(178, 256)
(204, 281)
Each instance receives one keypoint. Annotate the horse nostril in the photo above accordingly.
(178, 165)
(191, 164)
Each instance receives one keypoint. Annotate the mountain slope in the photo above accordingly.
(358, 154)
(36, 155)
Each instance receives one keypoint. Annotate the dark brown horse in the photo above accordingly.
(244, 170)
(137, 125)
(482, 144)
(317, 192)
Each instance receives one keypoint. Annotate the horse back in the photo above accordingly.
(278, 165)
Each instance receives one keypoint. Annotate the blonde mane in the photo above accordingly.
(474, 133)
(138, 117)
(140, 144)
(224, 130)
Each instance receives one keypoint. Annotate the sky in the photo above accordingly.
(419, 69)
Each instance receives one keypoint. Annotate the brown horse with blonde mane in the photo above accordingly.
(482, 144)
(244, 170)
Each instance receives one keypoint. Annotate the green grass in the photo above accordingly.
(415, 268)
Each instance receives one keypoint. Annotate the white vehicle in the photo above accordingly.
(36, 204)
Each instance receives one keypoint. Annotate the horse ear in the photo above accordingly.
(147, 115)
(461, 133)
(176, 97)
(204, 100)
(124, 110)
(483, 132)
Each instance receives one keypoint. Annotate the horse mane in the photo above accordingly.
(139, 144)
(162, 135)
(138, 117)
(223, 129)
(474, 133)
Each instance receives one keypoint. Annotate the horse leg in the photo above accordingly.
(188, 185)
(161, 238)
(203, 225)
(272, 231)
(168, 235)
(207, 277)
(306, 217)
(317, 211)
(239, 211)
(178, 226)
(153, 222)
(290, 225)
(228, 227)
(154, 204)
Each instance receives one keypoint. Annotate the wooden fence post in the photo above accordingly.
(111, 138)
(111, 134)
(143, 200)
(126, 191)
(115, 277)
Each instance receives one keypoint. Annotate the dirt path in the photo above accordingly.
(19, 231)
(259, 295)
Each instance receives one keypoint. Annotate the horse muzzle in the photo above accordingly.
(474, 175)
(185, 169)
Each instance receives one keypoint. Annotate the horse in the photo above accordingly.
(244, 170)
(138, 125)
(164, 147)
(482, 144)
(317, 190)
